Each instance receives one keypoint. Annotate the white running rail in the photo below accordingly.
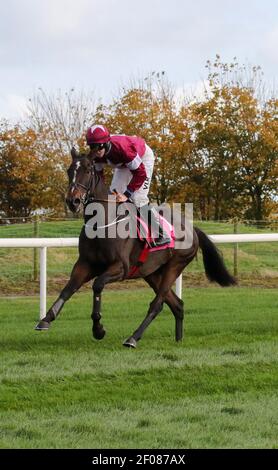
(44, 243)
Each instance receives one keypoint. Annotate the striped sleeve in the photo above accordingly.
(138, 178)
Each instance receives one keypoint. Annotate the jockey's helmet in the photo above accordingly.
(97, 134)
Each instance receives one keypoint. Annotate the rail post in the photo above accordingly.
(43, 279)
(179, 286)
(43, 243)
(235, 249)
(35, 252)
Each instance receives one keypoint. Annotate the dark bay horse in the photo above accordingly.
(109, 260)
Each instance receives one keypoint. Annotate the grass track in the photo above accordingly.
(257, 262)
(216, 389)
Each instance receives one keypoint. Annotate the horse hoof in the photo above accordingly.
(179, 335)
(42, 326)
(130, 343)
(99, 334)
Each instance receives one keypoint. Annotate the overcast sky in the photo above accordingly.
(97, 45)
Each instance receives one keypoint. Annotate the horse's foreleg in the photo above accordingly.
(114, 273)
(81, 273)
(98, 330)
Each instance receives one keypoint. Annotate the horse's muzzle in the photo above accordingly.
(73, 204)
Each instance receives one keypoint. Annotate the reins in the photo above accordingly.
(114, 222)
(88, 196)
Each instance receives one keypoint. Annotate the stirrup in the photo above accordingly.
(159, 242)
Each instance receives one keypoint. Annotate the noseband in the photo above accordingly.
(88, 195)
(88, 189)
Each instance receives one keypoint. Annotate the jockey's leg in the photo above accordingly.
(149, 214)
(120, 180)
(150, 217)
(122, 176)
(140, 197)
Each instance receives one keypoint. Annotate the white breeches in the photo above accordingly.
(122, 177)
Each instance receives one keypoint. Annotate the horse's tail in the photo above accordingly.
(213, 262)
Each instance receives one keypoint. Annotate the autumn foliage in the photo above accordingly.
(219, 152)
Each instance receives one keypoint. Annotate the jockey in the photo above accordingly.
(133, 161)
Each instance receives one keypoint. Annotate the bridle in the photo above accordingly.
(88, 189)
(88, 195)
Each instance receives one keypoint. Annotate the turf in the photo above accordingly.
(257, 262)
(216, 389)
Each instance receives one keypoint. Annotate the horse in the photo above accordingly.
(106, 260)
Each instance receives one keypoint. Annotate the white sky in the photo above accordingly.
(98, 45)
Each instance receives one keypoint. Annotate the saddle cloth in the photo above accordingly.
(167, 227)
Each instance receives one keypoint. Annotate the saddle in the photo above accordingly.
(144, 232)
(158, 233)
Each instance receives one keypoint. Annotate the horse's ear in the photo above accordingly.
(74, 153)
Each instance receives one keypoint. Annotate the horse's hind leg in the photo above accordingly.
(154, 281)
(81, 273)
(172, 300)
(177, 307)
(162, 290)
(131, 342)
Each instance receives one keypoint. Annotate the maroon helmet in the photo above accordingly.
(97, 134)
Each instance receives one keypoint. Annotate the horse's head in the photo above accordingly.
(81, 176)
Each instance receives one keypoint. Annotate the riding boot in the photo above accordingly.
(151, 218)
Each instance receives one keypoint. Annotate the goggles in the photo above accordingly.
(97, 147)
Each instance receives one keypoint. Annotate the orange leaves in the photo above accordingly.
(236, 135)
(219, 152)
(25, 172)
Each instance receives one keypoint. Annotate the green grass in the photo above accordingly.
(256, 260)
(216, 389)
(56, 228)
(72, 227)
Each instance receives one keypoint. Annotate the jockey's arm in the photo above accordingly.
(138, 177)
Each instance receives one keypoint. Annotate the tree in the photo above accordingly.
(219, 152)
(235, 135)
(26, 173)
(60, 121)
(148, 108)
(62, 117)
(259, 160)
